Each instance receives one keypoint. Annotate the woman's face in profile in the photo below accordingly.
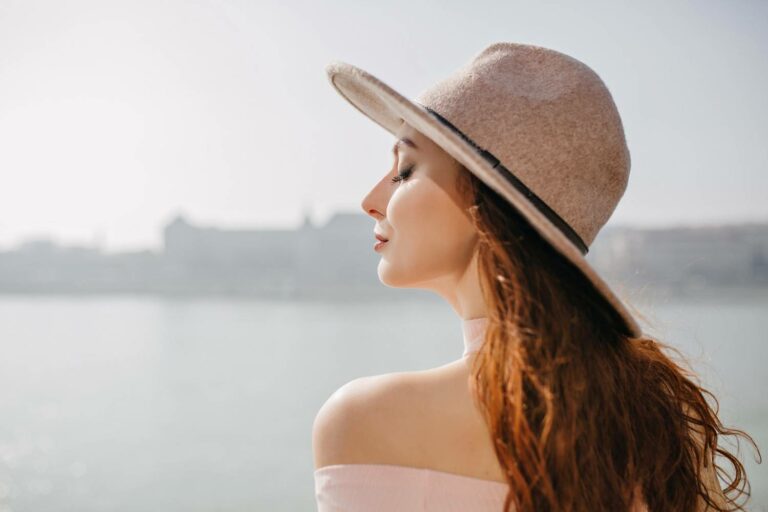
(430, 236)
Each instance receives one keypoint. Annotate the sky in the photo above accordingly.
(116, 116)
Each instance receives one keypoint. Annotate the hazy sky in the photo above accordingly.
(116, 116)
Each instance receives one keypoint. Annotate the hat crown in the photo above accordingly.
(550, 120)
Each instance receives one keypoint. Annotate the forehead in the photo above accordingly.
(406, 130)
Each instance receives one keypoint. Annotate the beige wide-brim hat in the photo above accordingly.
(537, 126)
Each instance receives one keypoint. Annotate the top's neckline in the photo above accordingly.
(396, 467)
(473, 330)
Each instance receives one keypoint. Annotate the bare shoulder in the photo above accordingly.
(350, 424)
(421, 418)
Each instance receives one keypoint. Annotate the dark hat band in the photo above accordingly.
(548, 212)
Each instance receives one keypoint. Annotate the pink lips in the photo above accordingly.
(381, 241)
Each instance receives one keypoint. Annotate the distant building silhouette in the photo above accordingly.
(338, 260)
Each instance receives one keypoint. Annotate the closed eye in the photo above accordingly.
(404, 175)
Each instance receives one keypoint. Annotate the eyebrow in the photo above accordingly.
(403, 140)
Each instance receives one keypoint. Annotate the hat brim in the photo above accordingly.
(389, 109)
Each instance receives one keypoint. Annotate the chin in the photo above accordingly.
(389, 277)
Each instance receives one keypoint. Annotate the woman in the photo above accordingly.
(503, 175)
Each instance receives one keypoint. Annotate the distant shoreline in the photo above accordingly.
(645, 295)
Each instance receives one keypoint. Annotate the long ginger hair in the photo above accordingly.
(581, 414)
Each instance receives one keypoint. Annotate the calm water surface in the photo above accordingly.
(145, 404)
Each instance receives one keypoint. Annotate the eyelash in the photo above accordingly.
(404, 175)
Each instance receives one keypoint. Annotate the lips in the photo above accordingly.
(381, 238)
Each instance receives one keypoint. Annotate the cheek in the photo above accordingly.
(431, 235)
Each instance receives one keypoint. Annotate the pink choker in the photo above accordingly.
(474, 332)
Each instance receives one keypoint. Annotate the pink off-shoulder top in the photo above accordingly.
(390, 488)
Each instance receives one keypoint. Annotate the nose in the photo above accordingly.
(375, 201)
